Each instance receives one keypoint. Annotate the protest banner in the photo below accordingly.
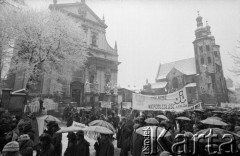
(171, 102)
(106, 104)
(231, 105)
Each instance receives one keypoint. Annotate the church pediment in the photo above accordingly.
(79, 10)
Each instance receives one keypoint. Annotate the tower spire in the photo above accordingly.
(199, 20)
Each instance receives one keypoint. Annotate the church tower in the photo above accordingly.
(211, 81)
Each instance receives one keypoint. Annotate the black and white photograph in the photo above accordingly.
(119, 77)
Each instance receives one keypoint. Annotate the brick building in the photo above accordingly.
(202, 75)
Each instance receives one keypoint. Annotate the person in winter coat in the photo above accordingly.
(56, 137)
(106, 147)
(46, 147)
(137, 139)
(82, 146)
(11, 149)
(26, 145)
(71, 148)
(125, 138)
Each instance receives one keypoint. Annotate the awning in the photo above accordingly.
(191, 85)
(159, 85)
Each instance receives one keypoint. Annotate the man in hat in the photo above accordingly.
(26, 145)
(53, 127)
(82, 146)
(11, 149)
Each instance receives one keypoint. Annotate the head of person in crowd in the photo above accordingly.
(141, 120)
(52, 127)
(71, 137)
(104, 137)
(45, 140)
(11, 149)
(80, 135)
(163, 124)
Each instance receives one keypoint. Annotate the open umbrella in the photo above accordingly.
(69, 129)
(151, 121)
(162, 117)
(49, 118)
(215, 117)
(99, 129)
(212, 121)
(74, 128)
(183, 118)
(103, 124)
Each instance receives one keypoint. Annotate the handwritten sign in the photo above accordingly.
(174, 101)
(105, 104)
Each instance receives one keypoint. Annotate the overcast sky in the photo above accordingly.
(150, 32)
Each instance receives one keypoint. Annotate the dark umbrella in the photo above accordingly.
(103, 124)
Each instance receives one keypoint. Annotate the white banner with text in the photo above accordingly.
(170, 102)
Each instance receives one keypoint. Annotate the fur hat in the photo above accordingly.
(12, 146)
(23, 137)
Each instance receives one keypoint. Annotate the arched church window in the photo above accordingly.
(209, 60)
(175, 82)
(202, 60)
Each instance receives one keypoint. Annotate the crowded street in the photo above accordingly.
(119, 78)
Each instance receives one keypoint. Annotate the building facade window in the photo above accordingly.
(201, 49)
(215, 53)
(202, 60)
(207, 48)
(209, 60)
(94, 39)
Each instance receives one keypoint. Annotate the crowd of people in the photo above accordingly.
(19, 134)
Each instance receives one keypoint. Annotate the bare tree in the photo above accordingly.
(236, 60)
(45, 43)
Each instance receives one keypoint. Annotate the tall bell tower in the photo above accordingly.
(211, 81)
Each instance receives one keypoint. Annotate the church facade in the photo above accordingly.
(98, 79)
(202, 75)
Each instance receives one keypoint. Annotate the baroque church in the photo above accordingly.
(202, 75)
(98, 80)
